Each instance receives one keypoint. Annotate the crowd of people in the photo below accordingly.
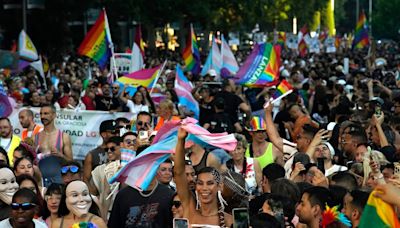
(331, 142)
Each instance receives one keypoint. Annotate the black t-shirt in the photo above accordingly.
(206, 111)
(282, 116)
(220, 122)
(131, 209)
(232, 102)
(106, 103)
(251, 95)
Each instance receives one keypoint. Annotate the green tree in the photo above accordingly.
(385, 20)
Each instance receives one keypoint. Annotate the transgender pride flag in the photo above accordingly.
(228, 59)
(183, 89)
(214, 60)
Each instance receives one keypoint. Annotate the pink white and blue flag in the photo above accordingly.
(214, 60)
(183, 89)
(140, 171)
(228, 59)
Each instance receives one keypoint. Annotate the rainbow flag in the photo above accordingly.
(191, 54)
(281, 38)
(97, 42)
(145, 77)
(361, 38)
(261, 67)
(378, 213)
(283, 89)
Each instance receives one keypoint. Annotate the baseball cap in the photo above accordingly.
(108, 125)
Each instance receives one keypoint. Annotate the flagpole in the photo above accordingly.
(108, 34)
(158, 76)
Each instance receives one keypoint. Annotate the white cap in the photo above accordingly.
(341, 82)
(212, 72)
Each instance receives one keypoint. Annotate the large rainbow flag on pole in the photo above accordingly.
(378, 213)
(361, 38)
(261, 68)
(191, 54)
(97, 42)
(145, 77)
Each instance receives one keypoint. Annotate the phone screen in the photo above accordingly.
(181, 223)
(240, 218)
(320, 165)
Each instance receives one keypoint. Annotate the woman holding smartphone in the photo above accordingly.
(207, 207)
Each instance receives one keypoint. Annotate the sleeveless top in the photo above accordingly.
(202, 163)
(14, 143)
(36, 130)
(59, 141)
(249, 175)
(265, 159)
(62, 220)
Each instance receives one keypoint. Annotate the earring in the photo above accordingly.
(197, 201)
(221, 200)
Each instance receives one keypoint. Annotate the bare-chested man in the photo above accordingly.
(52, 140)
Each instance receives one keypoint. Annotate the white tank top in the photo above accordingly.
(250, 175)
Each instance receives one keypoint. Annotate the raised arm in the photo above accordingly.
(271, 129)
(182, 186)
(122, 95)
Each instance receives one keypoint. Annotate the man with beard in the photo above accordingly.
(52, 141)
(31, 129)
(312, 204)
(107, 102)
(8, 141)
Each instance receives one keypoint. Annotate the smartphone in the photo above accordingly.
(143, 135)
(180, 223)
(241, 218)
(303, 158)
(378, 110)
(397, 169)
(320, 165)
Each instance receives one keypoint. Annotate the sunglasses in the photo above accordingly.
(112, 149)
(129, 141)
(128, 127)
(115, 87)
(23, 206)
(141, 123)
(176, 203)
(71, 169)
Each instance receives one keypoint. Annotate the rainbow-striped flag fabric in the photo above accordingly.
(145, 77)
(261, 67)
(191, 54)
(361, 38)
(97, 42)
(378, 213)
(282, 89)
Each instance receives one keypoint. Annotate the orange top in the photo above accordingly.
(298, 125)
(161, 122)
(36, 130)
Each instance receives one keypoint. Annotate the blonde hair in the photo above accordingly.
(241, 139)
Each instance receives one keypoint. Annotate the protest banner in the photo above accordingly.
(123, 61)
(82, 127)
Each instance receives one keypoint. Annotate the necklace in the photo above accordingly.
(150, 193)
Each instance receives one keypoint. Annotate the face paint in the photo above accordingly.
(8, 185)
(78, 198)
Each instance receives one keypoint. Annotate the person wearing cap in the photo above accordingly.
(99, 185)
(260, 149)
(325, 151)
(98, 156)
